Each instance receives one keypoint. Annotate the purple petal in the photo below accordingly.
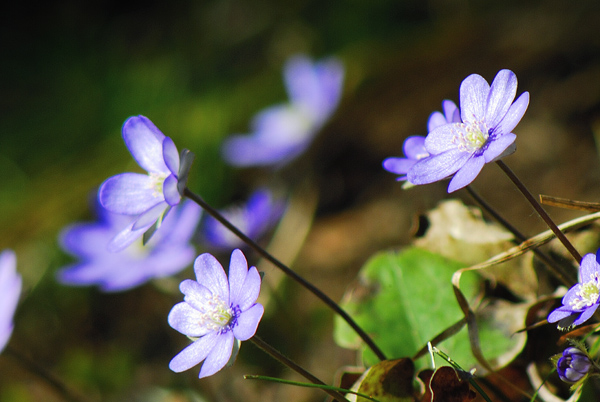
(180, 225)
(571, 295)
(414, 147)
(185, 319)
(451, 112)
(194, 353)
(514, 114)
(219, 355)
(195, 294)
(125, 238)
(211, 275)
(436, 119)
(559, 314)
(586, 315)
(496, 147)
(248, 322)
(398, 165)
(129, 194)
(437, 167)
(443, 138)
(474, 91)
(501, 95)
(170, 191)
(171, 156)
(148, 217)
(250, 290)
(589, 268)
(238, 269)
(144, 141)
(466, 174)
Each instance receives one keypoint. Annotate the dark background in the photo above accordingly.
(72, 72)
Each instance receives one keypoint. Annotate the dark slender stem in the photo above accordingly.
(551, 264)
(288, 271)
(540, 210)
(44, 374)
(274, 353)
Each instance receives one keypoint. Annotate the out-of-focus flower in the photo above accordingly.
(461, 149)
(216, 312)
(254, 218)
(281, 133)
(167, 253)
(146, 196)
(574, 365)
(414, 146)
(10, 290)
(582, 300)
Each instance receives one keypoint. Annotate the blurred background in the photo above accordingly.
(72, 72)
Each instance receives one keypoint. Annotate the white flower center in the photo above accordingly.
(215, 314)
(158, 179)
(587, 295)
(470, 137)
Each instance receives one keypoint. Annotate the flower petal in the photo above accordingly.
(125, 238)
(443, 138)
(251, 290)
(414, 147)
(193, 354)
(496, 147)
(148, 217)
(170, 156)
(218, 356)
(436, 119)
(514, 114)
(186, 319)
(398, 165)
(589, 268)
(144, 141)
(437, 167)
(238, 269)
(586, 315)
(559, 314)
(171, 191)
(474, 92)
(248, 322)
(467, 173)
(129, 193)
(211, 275)
(501, 95)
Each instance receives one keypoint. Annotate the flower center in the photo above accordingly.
(217, 316)
(587, 295)
(471, 137)
(158, 180)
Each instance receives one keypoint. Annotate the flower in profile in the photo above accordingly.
(582, 300)
(414, 146)
(167, 253)
(254, 219)
(216, 312)
(10, 290)
(488, 116)
(573, 365)
(146, 196)
(281, 133)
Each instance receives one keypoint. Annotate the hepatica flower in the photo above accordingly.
(167, 253)
(148, 197)
(217, 313)
(488, 116)
(254, 218)
(281, 133)
(10, 290)
(582, 300)
(573, 365)
(414, 146)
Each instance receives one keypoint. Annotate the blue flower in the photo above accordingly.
(281, 133)
(414, 146)
(10, 290)
(167, 253)
(582, 300)
(573, 365)
(254, 218)
(216, 312)
(146, 196)
(461, 149)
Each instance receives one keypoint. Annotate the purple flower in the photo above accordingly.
(215, 313)
(414, 147)
(461, 149)
(10, 290)
(573, 366)
(281, 133)
(581, 301)
(254, 218)
(148, 197)
(167, 253)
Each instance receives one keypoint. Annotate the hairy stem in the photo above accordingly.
(288, 271)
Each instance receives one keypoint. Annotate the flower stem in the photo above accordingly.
(540, 210)
(553, 267)
(274, 353)
(288, 271)
(44, 374)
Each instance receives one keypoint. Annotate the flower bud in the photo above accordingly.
(573, 365)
